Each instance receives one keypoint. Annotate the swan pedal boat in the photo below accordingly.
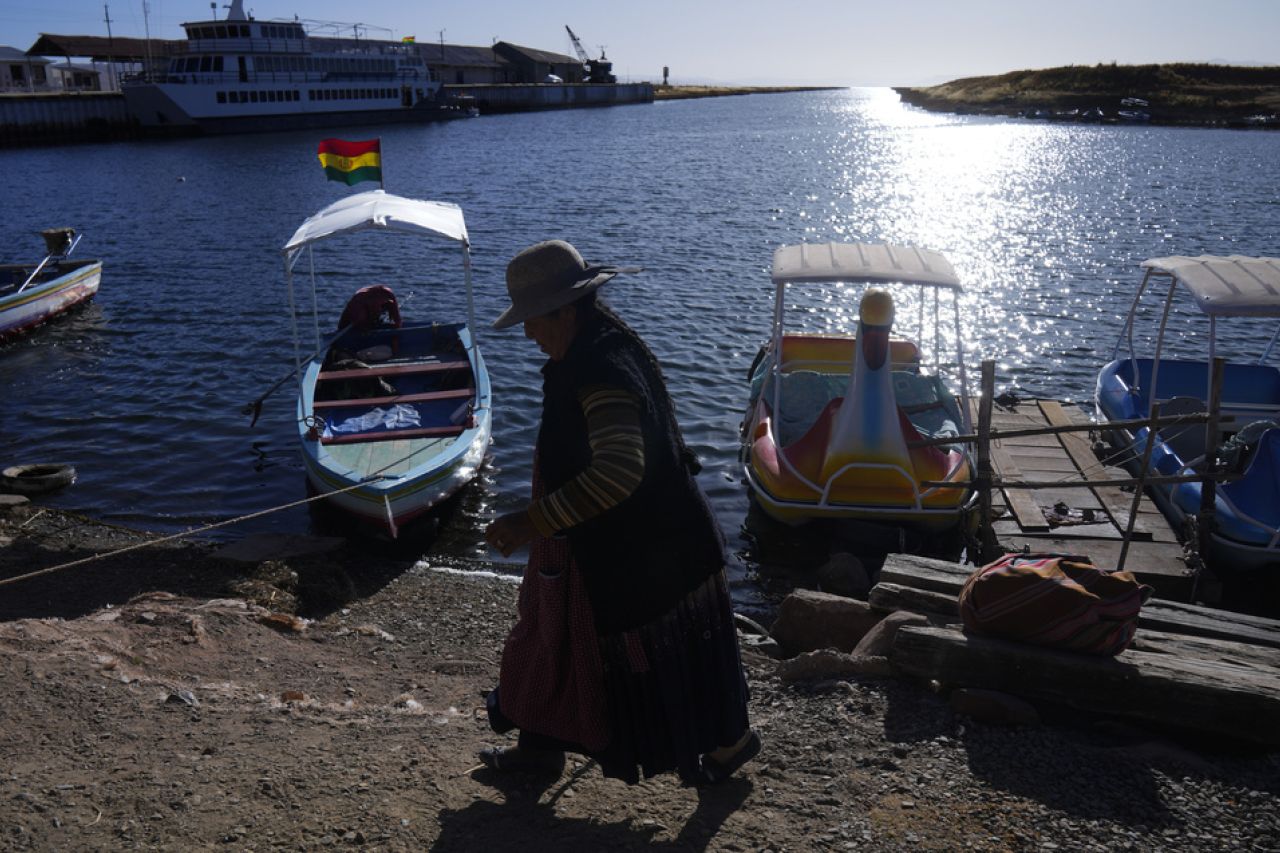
(31, 295)
(395, 432)
(833, 421)
(1246, 534)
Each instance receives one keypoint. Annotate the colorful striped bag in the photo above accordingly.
(1053, 600)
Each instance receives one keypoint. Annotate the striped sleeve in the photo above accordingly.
(616, 467)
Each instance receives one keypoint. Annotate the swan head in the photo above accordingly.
(875, 319)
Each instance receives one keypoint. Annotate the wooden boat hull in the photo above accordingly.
(61, 287)
(391, 473)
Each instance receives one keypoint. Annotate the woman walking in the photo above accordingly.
(625, 648)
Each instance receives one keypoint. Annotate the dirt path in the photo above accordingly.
(146, 706)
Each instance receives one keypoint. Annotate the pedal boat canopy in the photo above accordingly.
(862, 263)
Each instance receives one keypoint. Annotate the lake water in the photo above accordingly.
(1046, 225)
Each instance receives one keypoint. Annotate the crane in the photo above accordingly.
(577, 47)
(597, 70)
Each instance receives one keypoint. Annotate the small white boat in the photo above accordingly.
(392, 417)
(1246, 532)
(31, 294)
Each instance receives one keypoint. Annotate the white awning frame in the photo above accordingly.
(373, 209)
(1220, 286)
(862, 263)
(1225, 286)
(378, 209)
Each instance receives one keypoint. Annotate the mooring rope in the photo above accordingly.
(376, 475)
(183, 535)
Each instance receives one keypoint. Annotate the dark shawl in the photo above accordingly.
(641, 557)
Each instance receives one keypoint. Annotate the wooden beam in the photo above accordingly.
(1225, 699)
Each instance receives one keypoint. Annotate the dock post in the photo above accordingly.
(1141, 485)
(1207, 516)
(987, 391)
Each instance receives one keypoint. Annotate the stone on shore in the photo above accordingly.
(809, 620)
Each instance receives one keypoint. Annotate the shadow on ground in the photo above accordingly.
(527, 821)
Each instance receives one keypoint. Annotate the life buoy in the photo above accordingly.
(36, 479)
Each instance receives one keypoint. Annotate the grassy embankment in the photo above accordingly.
(673, 93)
(1178, 93)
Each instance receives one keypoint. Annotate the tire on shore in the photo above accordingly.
(36, 479)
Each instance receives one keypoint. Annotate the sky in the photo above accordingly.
(753, 42)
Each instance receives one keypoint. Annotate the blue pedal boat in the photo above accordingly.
(392, 417)
(1246, 531)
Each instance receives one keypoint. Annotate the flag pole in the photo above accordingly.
(382, 184)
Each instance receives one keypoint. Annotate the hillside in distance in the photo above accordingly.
(1176, 93)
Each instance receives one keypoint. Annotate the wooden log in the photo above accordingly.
(1205, 648)
(1239, 702)
(944, 580)
(891, 597)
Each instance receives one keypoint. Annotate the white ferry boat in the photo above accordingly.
(241, 74)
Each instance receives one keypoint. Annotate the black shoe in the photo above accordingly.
(544, 762)
(714, 772)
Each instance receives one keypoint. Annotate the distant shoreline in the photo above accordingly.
(675, 93)
(1189, 94)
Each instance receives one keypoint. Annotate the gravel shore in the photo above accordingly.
(172, 699)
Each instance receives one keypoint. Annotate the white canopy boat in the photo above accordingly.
(393, 418)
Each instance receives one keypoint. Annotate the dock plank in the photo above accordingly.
(1117, 503)
(1020, 501)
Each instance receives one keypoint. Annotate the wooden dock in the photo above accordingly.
(1071, 519)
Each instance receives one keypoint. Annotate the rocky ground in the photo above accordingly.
(171, 698)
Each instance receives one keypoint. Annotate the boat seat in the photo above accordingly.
(426, 396)
(805, 393)
(395, 370)
(1185, 440)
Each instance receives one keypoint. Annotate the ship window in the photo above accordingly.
(221, 31)
(217, 63)
(253, 97)
(222, 97)
(206, 63)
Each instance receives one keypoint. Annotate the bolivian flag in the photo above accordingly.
(351, 162)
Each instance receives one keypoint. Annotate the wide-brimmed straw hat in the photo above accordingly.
(547, 276)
